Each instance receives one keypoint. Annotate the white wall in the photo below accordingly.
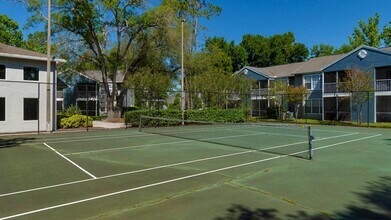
(15, 89)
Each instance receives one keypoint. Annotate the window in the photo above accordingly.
(313, 82)
(31, 73)
(2, 71)
(313, 106)
(2, 109)
(30, 106)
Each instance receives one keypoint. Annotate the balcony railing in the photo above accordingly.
(83, 95)
(259, 92)
(60, 94)
(330, 88)
(383, 85)
(333, 88)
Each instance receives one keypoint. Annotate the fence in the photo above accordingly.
(32, 105)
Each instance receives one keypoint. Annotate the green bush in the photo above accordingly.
(212, 115)
(76, 121)
(72, 110)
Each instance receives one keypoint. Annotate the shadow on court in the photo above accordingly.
(14, 142)
(377, 200)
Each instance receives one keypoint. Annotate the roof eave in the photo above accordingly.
(18, 56)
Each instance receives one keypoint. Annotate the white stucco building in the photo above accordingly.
(27, 92)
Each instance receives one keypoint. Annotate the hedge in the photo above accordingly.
(219, 115)
(75, 121)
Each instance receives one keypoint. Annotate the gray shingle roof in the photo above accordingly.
(97, 75)
(16, 52)
(4, 48)
(311, 66)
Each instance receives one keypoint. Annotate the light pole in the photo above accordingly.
(48, 72)
(182, 79)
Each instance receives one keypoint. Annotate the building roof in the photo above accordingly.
(312, 65)
(16, 52)
(317, 64)
(97, 75)
(386, 49)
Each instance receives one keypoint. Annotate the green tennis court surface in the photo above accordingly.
(127, 174)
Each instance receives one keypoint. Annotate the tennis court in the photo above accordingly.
(199, 171)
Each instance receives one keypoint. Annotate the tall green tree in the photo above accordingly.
(274, 50)
(9, 32)
(236, 53)
(359, 84)
(192, 11)
(386, 35)
(108, 31)
(367, 33)
(320, 50)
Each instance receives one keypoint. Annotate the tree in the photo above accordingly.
(151, 89)
(386, 35)
(106, 32)
(212, 80)
(320, 50)
(236, 53)
(345, 48)
(358, 83)
(277, 92)
(366, 33)
(9, 32)
(192, 11)
(274, 50)
(296, 96)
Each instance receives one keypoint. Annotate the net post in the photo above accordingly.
(310, 138)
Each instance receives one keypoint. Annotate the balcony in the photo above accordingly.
(259, 92)
(90, 95)
(332, 88)
(383, 85)
(60, 94)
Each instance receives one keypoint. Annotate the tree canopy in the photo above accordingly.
(9, 32)
(274, 50)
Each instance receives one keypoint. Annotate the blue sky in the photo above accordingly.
(312, 21)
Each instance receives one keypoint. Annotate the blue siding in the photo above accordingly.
(373, 59)
(70, 93)
(253, 75)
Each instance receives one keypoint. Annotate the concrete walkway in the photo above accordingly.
(103, 124)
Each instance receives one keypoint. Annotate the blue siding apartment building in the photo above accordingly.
(321, 77)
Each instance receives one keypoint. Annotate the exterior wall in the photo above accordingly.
(369, 63)
(15, 89)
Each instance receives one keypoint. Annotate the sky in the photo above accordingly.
(312, 21)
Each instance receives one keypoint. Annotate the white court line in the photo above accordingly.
(176, 179)
(70, 161)
(163, 166)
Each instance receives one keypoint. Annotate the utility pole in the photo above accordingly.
(182, 79)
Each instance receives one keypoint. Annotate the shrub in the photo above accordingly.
(76, 121)
(72, 110)
(212, 115)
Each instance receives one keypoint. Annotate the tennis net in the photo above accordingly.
(282, 139)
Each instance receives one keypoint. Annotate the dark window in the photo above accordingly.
(31, 73)
(59, 106)
(30, 106)
(2, 71)
(330, 77)
(2, 109)
(383, 73)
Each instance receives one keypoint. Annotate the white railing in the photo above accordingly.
(259, 92)
(60, 94)
(383, 85)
